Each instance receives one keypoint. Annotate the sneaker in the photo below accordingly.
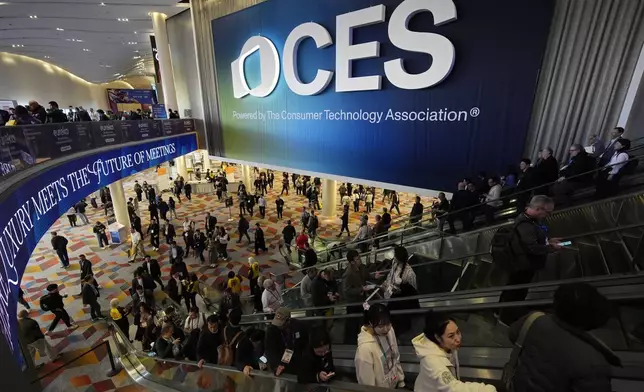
(73, 326)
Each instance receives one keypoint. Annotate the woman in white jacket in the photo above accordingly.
(377, 357)
(437, 349)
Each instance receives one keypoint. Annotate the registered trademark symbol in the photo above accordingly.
(474, 112)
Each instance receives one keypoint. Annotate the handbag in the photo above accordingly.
(510, 368)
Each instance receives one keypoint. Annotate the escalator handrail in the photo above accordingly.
(455, 308)
(472, 292)
(229, 369)
(503, 198)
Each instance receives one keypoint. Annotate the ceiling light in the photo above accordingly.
(102, 4)
(136, 57)
(17, 46)
(132, 43)
(85, 50)
(33, 16)
(135, 32)
(47, 57)
(117, 74)
(123, 19)
(59, 29)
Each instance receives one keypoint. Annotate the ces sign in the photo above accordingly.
(437, 46)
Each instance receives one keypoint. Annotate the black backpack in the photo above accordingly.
(501, 248)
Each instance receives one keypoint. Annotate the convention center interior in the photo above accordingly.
(322, 195)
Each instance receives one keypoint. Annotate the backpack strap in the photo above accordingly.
(237, 335)
(518, 345)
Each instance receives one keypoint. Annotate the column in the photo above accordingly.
(120, 203)
(246, 177)
(329, 198)
(165, 62)
(206, 160)
(181, 167)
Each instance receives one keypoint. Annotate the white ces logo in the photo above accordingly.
(437, 46)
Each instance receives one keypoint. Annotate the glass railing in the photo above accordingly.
(24, 146)
(428, 223)
(444, 263)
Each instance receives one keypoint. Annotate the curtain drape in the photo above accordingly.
(203, 12)
(592, 51)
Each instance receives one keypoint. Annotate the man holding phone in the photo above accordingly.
(530, 247)
(316, 365)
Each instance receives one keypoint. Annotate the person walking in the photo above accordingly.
(289, 233)
(81, 207)
(138, 190)
(154, 269)
(395, 202)
(223, 239)
(169, 232)
(260, 242)
(261, 203)
(90, 297)
(242, 228)
(137, 245)
(313, 225)
(85, 271)
(345, 221)
(279, 205)
(32, 336)
(71, 216)
(354, 290)
(172, 205)
(284, 186)
(53, 302)
(200, 245)
(154, 210)
(187, 188)
(153, 232)
(59, 244)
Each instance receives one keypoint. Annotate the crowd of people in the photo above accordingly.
(35, 113)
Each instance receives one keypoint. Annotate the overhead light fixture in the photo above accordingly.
(136, 57)
(17, 46)
(135, 32)
(85, 50)
(123, 19)
(102, 4)
(59, 29)
(33, 16)
(47, 57)
(132, 43)
(117, 74)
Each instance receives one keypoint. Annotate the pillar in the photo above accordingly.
(181, 167)
(329, 198)
(246, 177)
(120, 203)
(165, 62)
(206, 160)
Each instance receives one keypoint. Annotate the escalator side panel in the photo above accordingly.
(591, 258)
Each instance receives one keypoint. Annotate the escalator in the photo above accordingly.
(486, 348)
(607, 239)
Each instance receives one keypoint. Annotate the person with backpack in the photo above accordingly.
(522, 249)
(437, 347)
(313, 224)
(617, 167)
(242, 228)
(556, 352)
(234, 342)
(53, 302)
(365, 232)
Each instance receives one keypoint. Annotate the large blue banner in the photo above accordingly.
(415, 92)
(30, 210)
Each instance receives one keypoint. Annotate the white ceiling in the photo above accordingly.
(108, 45)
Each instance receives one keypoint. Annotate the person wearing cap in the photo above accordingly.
(286, 340)
(316, 365)
(53, 302)
(32, 336)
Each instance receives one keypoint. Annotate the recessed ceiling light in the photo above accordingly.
(33, 16)
(17, 46)
(47, 57)
(117, 74)
(102, 4)
(135, 32)
(59, 29)
(123, 19)
(85, 50)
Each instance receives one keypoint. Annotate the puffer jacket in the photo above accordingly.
(369, 361)
(439, 371)
(557, 357)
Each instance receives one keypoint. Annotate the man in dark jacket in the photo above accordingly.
(354, 289)
(323, 291)
(559, 355)
(416, 212)
(56, 115)
(101, 236)
(38, 111)
(242, 227)
(285, 333)
(154, 210)
(279, 205)
(53, 302)
(32, 336)
(525, 182)
(163, 209)
(170, 233)
(243, 345)
(90, 297)
(530, 247)
(188, 190)
(461, 200)
(153, 268)
(81, 207)
(289, 234)
(200, 244)
(547, 169)
(571, 175)
(211, 224)
(85, 270)
(59, 244)
(209, 341)
(260, 242)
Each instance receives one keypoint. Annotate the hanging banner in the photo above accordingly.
(159, 111)
(122, 100)
(408, 92)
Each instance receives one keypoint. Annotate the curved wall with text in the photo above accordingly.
(32, 205)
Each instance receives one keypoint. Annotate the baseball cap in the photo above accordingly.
(282, 315)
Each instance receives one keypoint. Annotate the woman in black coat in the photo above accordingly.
(260, 242)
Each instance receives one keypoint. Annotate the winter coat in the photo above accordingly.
(439, 370)
(371, 361)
